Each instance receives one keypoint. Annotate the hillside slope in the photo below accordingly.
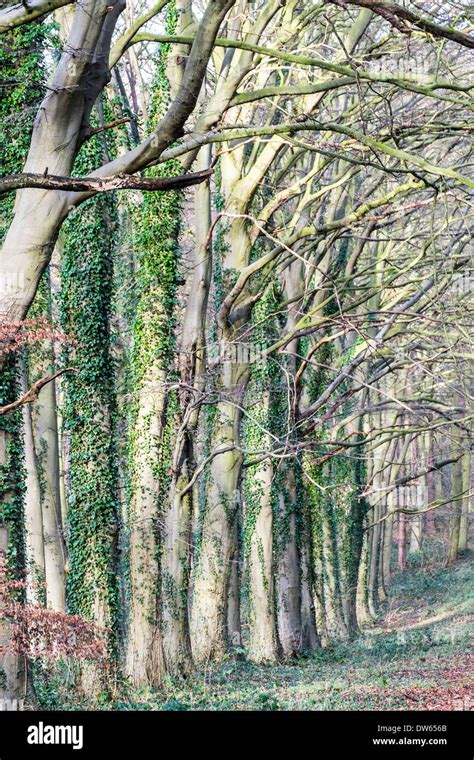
(416, 658)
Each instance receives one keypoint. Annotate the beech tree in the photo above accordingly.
(236, 354)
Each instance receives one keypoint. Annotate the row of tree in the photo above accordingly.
(236, 372)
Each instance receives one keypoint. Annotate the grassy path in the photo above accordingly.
(416, 658)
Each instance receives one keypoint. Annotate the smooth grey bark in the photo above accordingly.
(466, 500)
(45, 458)
(335, 619)
(380, 457)
(297, 630)
(34, 544)
(144, 654)
(234, 622)
(213, 568)
(177, 538)
(287, 572)
(212, 574)
(45, 432)
(310, 639)
(26, 12)
(61, 127)
(12, 671)
(263, 644)
(59, 130)
(364, 616)
(456, 506)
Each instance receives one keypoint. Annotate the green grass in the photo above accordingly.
(415, 657)
(409, 660)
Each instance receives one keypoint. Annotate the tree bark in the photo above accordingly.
(456, 510)
(76, 84)
(145, 657)
(208, 618)
(259, 518)
(177, 538)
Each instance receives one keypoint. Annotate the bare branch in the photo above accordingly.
(101, 184)
(33, 392)
(23, 13)
(398, 17)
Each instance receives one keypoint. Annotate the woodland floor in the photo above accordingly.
(416, 657)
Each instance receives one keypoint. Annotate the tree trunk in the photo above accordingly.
(234, 628)
(388, 540)
(262, 483)
(456, 510)
(335, 621)
(177, 537)
(364, 616)
(466, 500)
(144, 659)
(309, 632)
(212, 574)
(288, 590)
(402, 536)
(430, 487)
(12, 672)
(76, 84)
(222, 495)
(417, 501)
(34, 545)
(44, 429)
(46, 442)
(259, 524)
